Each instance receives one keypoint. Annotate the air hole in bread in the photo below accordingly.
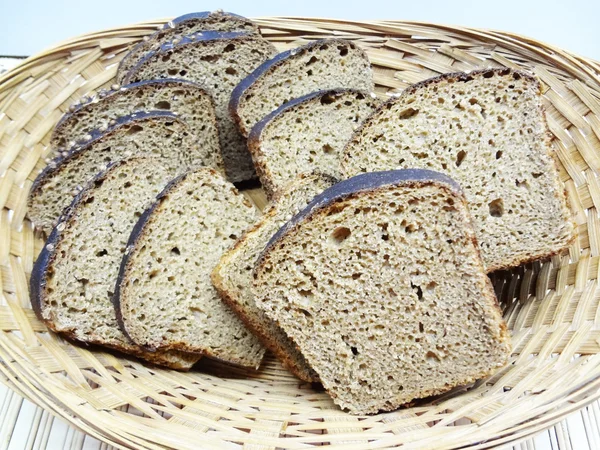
(432, 357)
(229, 48)
(166, 57)
(460, 157)
(327, 148)
(499, 154)
(172, 72)
(327, 99)
(153, 273)
(230, 71)
(175, 251)
(354, 350)
(309, 72)
(210, 58)
(408, 113)
(496, 207)
(312, 60)
(340, 234)
(183, 72)
(523, 184)
(418, 289)
(488, 74)
(134, 129)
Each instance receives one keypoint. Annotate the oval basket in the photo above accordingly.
(551, 307)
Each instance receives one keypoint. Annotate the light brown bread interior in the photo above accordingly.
(166, 297)
(232, 277)
(333, 63)
(57, 185)
(307, 136)
(385, 294)
(191, 103)
(486, 130)
(215, 21)
(86, 253)
(218, 65)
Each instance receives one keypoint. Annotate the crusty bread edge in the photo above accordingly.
(227, 296)
(468, 76)
(105, 97)
(134, 239)
(196, 38)
(96, 135)
(371, 182)
(255, 135)
(38, 279)
(138, 50)
(248, 83)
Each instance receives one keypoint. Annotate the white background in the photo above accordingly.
(29, 26)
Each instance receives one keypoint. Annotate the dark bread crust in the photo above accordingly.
(44, 263)
(262, 333)
(137, 234)
(106, 97)
(269, 66)
(57, 164)
(255, 135)
(371, 183)
(204, 16)
(192, 39)
(465, 77)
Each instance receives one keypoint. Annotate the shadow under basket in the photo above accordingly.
(551, 307)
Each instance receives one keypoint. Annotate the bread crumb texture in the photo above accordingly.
(385, 294)
(486, 130)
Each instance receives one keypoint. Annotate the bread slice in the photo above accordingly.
(182, 26)
(218, 62)
(158, 133)
(487, 130)
(164, 297)
(74, 277)
(232, 277)
(318, 65)
(380, 283)
(307, 134)
(187, 100)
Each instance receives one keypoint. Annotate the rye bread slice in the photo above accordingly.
(232, 277)
(307, 133)
(74, 276)
(218, 62)
(164, 297)
(380, 283)
(183, 26)
(186, 99)
(487, 130)
(156, 133)
(318, 65)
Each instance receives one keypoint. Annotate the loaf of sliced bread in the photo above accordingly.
(158, 133)
(182, 26)
(164, 296)
(307, 134)
(380, 283)
(487, 130)
(74, 277)
(232, 277)
(218, 62)
(318, 65)
(188, 100)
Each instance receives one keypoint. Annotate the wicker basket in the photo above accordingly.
(551, 307)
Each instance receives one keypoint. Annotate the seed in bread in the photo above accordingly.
(187, 100)
(157, 133)
(232, 277)
(380, 283)
(307, 134)
(318, 65)
(218, 62)
(74, 277)
(487, 130)
(164, 296)
(182, 26)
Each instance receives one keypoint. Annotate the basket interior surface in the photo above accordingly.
(551, 307)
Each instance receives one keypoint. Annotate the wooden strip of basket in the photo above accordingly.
(552, 307)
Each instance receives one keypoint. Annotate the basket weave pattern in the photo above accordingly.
(552, 307)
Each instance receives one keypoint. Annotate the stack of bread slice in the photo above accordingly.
(376, 285)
